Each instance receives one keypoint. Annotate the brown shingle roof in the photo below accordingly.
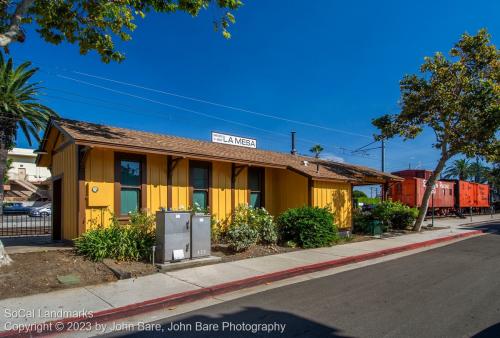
(96, 134)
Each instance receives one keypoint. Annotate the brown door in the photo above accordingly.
(57, 209)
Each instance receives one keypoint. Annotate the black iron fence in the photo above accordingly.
(24, 225)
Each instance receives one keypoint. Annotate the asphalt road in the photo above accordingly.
(451, 291)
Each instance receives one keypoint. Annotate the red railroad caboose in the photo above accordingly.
(471, 195)
(411, 191)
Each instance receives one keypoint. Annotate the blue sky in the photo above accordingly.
(330, 63)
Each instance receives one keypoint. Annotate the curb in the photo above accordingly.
(67, 324)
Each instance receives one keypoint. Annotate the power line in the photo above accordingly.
(188, 110)
(164, 104)
(58, 68)
(276, 117)
(308, 124)
(345, 151)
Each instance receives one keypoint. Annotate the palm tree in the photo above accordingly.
(458, 169)
(479, 171)
(19, 109)
(316, 150)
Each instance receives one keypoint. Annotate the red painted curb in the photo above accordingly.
(67, 324)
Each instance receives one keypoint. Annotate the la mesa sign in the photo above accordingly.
(234, 140)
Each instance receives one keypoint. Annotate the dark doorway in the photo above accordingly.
(57, 209)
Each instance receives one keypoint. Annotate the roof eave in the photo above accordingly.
(147, 150)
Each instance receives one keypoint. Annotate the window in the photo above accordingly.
(199, 174)
(256, 187)
(129, 184)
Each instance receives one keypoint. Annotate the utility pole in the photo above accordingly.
(383, 155)
(363, 149)
(383, 191)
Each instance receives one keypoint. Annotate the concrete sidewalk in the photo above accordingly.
(110, 296)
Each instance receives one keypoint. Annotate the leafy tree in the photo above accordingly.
(316, 150)
(19, 108)
(458, 98)
(494, 177)
(8, 166)
(460, 169)
(358, 194)
(94, 24)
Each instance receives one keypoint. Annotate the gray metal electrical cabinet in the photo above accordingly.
(200, 236)
(173, 232)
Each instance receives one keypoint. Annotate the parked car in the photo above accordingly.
(43, 211)
(15, 208)
(368, 207)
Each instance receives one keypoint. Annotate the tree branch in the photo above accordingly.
(14, 32)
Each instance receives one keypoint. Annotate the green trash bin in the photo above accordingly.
(376, 228)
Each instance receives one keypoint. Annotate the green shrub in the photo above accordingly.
(132, 241)
(361, 222)
(368, 200)
(258, 219)
(308, 227)
(240, 236)
(404, 218)
(395, 214)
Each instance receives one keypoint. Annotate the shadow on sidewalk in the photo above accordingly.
(492, 331)
(492, 227)
(244, 323)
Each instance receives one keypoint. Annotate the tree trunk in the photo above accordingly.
(14, 31)
(428, 191)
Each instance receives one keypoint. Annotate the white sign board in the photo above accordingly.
(234, 140)
(178, 254)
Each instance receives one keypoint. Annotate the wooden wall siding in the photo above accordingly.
(60, 139)
(99, 172)
(156, 183)
(338, 195)
(241, 188)
(285, 189)
(220, 199)
(65, 164)
(270, 192)
(180, 185)
(46, 160)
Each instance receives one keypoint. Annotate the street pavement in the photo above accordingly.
(450, 291)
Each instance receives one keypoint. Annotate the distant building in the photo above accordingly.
(23, 166)
(27, 181)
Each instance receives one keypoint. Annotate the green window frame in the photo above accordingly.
(256, 187)
(130, 184)
(200, 182)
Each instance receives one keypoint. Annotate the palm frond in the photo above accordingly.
(19, 100)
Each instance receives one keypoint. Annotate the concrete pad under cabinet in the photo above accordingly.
(189, 263)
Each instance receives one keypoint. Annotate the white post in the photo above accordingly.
(4, 257)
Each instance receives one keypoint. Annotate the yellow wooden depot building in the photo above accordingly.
(100, 170)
